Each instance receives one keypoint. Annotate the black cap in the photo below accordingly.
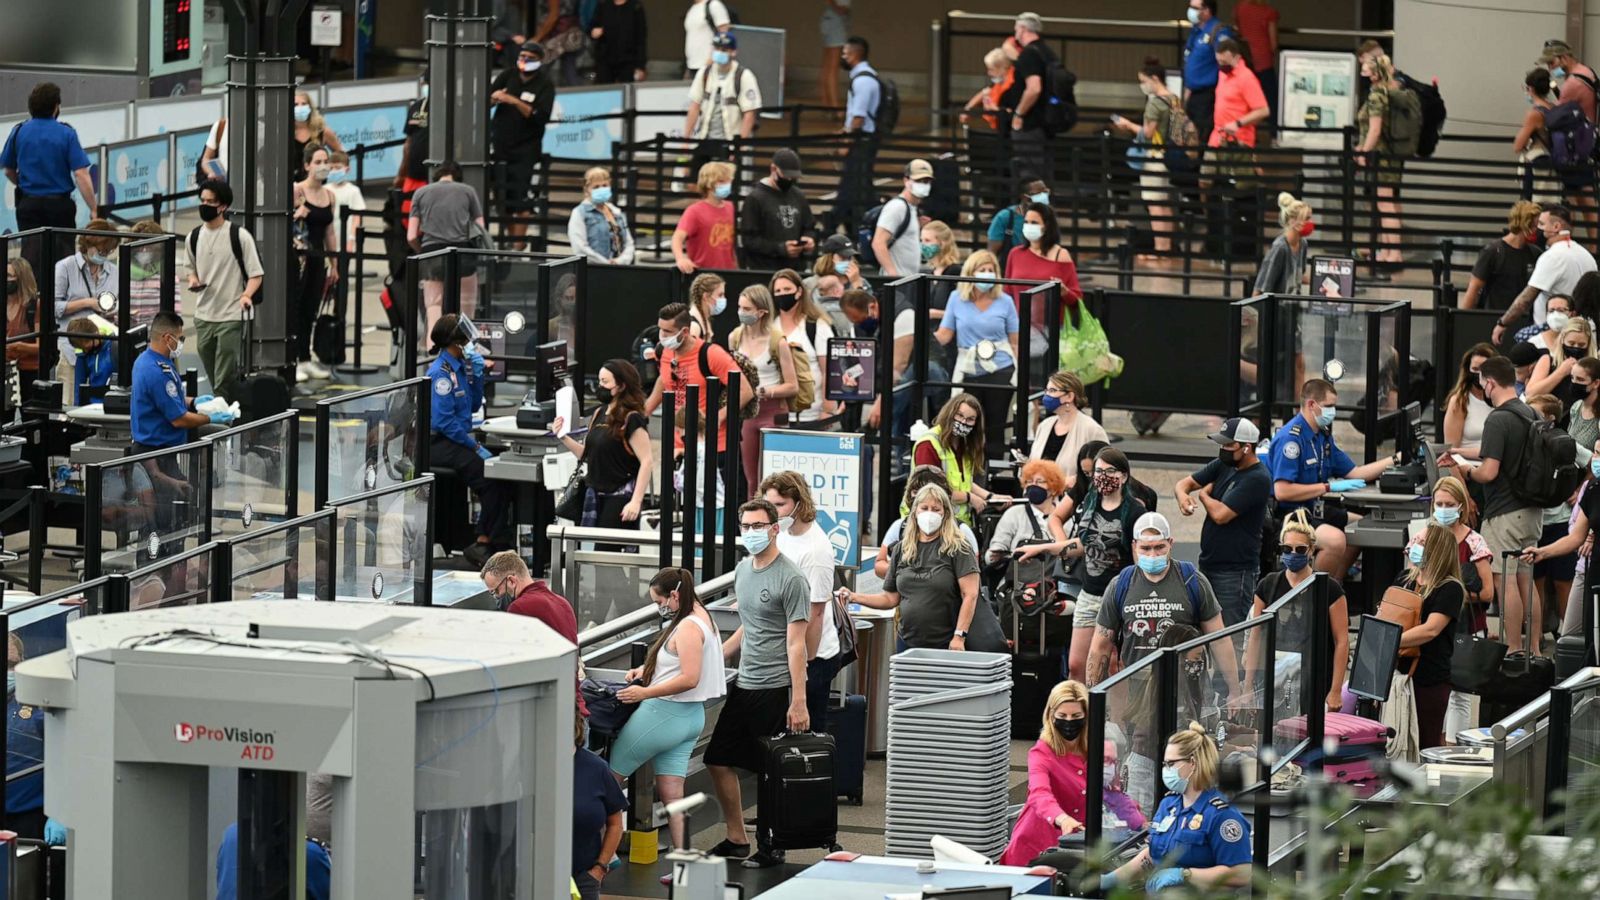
(839, 245)
(534, 47)
(1523, 354)
(788, 162)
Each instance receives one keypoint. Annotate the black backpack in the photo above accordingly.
(1547, 471)
(233, 239)
(1433, 112)
(1059, 95)
(887, 115)
(869, 228)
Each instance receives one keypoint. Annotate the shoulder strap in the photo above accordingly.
(1033, 521)
(1191, 584)
(238, 249)
(194, 242)
(1592, 84)
(1124, 583)
(704, 356)
(811, 334)
(911, 213)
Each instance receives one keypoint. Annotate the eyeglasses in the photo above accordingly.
(1173, 762)
(754, 526)
(1100, 471)
(1295, 548)
(967, 421)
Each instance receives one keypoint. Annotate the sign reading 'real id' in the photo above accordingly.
(833, 466)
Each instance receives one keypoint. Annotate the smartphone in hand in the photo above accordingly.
(197, 287)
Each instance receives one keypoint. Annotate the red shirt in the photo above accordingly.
(708, 235)
(687, 371)
(549, 607)
(1025, 265)
(1238, 92)
(1254, 20)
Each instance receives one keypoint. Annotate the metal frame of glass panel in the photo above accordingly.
(94, 502)
(289, 466)
(327, 409)
(422, 587)
(227, 571)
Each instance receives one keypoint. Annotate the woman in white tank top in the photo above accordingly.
(682, 670)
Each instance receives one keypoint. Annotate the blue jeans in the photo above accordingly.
(1235, 588)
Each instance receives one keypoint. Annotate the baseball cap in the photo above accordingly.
(839, 245)
(1552, 49)
(788, 162)
(1152, 522)
(1523, 353)
(534, 47)
(918, 168)
(725, 41)
(1238, 430)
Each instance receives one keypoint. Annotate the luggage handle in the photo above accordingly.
(247, 355)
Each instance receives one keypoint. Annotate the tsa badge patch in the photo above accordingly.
(172, 389)
(442, 386)
(1232, 831)
(1291, 450)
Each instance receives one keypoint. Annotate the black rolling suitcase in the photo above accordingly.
(1033, 674)
(1523, 677)
(848, 725)
(797, 806)
(259, 394)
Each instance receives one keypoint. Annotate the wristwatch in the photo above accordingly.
(962, 634)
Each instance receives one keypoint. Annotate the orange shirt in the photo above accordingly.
(1238, 92)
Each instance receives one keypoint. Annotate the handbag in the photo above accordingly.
(1084, 350)
(573, 495)
(1475, 660)
(327, 333)
(1404, 608)
(985, 635)
(607, 713)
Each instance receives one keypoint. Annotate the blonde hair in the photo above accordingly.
(1458, 492)
(712, 174)
(950, 540)
(762, 298)
(977, 260)
(27, 285)
(1297, 522)
(595, 176)
(997, 59)
(1066, 692)
(1197, 746)
(948, 253)
(1441, 559)
(1578, 325)
(1382, 66)
(314, 123)
(1292, 209)
(1523, 215)
(701, 290)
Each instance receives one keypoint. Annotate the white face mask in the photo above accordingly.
(1557, 320)
(785, 523)
(921, 189)
(929, 521)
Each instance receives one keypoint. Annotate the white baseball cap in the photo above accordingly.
(1152, 521)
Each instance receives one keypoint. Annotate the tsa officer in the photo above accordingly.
(24, 812)
(1305, 464)
(160, 415)
(1197, 838)
(456, 378)
(45, 160)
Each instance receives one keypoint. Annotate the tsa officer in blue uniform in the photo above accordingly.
(456, 378)
(1305, 464)
(24, 812)
(1196, 836)
(159, 414)
(45, 160)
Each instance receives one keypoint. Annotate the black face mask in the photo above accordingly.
(1226, 70)
(603, 394)
(785, 302)
(845, 64)
(1227, 458)
(13, 289)
(1573, 352)
(1068, 728)
(209, 213)
(783, 184)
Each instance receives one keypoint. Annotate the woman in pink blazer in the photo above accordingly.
(1056, 779)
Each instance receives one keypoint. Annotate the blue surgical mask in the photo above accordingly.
(1169, 774)
(1294, 562)
(749, 319)
(1558, 72)
(1325, 418)
(721, 57)
(531, 65)
(984, 284)
(672, 342)
(1414, 553)
(1050, 403)
(1194, 16)
(338, 176)
(98, 259)
(755, 541)
(841, 266)
(601, 194)
(719, 305)
(1446, 515)
(1041, 197)
(302, 113)
(1594, 466)
(1152, 565)
(724, 190)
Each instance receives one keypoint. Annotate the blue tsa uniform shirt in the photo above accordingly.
(319, 868)
(1209, 833)
(157, 400)
(1300, 455)
(24, 751)
(1200, 55)
(455, 395)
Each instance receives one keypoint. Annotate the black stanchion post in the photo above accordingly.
(692, 429)
(38, 536)
(1447, 252)
(669, 407)
(884, 363)
(408, 341)
(732, 467)
(713, 395)
(1347, 178)
(1315, 684)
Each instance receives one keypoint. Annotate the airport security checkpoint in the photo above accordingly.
(492, 450)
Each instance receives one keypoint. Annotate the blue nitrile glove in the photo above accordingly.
(476, 358)
(1340, 485)
(221, 418)
(1108, 882)
(483, 452)
(1163, 879)
(203, 398)
(55, 833)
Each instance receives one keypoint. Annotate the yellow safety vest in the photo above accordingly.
(960, 481)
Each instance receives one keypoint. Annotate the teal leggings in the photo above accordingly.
(660, 730)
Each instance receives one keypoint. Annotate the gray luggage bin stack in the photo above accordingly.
(949, 759)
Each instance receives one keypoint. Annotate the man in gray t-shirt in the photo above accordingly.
(897, 242)
(442, 213)
(1144, 602)
(769, 695)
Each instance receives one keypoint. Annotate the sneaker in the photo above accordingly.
(764, 859)
(318, 370)
(730, 850)
(301, 376)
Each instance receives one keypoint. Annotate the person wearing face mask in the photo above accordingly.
(860, 310)
(159, 415)
(940, 256)
(682, 671)
(310, 130)
(456, 378)
(1306, 465)
(1465, 410)
(688, 359)
(145, 273)
(1543, 337)
(1161, 107)
(1232, 490)
(1150, 596)
(24, 812)
(1030, 140)
(1042, 485)
(1200, 63)
(1434, 573)
(615, 449)
(1101, 544)
(761, 341)
(22, 312)
(768, 694)
(1583, 416)
(44, 158)
(1005, 229)
(1283, 270)
(1057, 782)
(723, 99)
(598, 229)
(776, 227)
(1541, 182)
(1557, 271)
(708, 298)
(808, 330)
(895, 244)
(1064, 427)
(984, 325)
(1579, 83)
(1297, 547)
(1197, 837)
(864, 99)
(521, 101)
(920, 477)
(805, 544)
(1042, 258)
(1552, 374)
(92, 360)
(1238, 103)
(1000, 95)
(836, 256)
(1577, 539)
(341, 180)
(932, 579)
(704, 236)
(316, 233)
(1504, 265)
(516, 591)
(80, 279)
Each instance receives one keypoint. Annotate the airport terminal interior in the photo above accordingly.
(700, 449)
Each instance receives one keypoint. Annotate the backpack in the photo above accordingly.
(747, 371)
(1402, 127)
(1059, 95)
(233, 239)
(1181, 144)
(1433, 112)
(1547, 472)
(807, 395)
(869, 228)
(1191, 586)
(1572, 137)
(887, 115)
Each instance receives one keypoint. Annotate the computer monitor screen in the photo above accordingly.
(1376, 648)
